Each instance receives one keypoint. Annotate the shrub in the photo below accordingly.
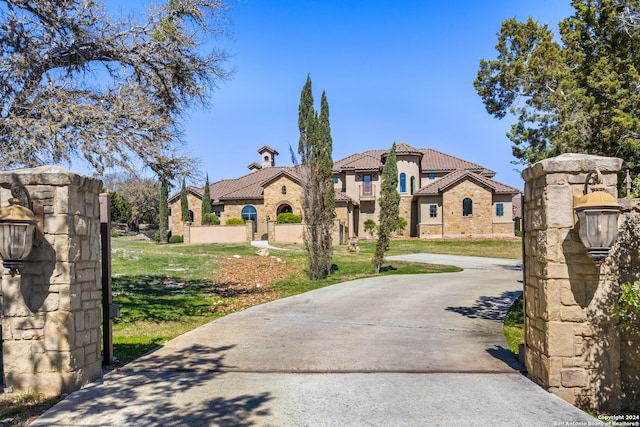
(288, 218)
(156, 236)
(628, 307)
(235, 221)
(401, 225)
(211, 219)
(113, 232)
(370, 227)
(176, 239)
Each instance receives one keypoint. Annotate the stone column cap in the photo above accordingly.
(49, 175)
(572, 163)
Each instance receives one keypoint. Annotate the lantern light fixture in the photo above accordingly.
(597, 213)
(17, 229)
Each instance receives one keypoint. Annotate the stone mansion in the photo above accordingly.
(441, 196)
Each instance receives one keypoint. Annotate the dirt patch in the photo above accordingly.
(22, 410)
(247, 281)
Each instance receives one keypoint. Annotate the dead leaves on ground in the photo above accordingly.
(242, 282)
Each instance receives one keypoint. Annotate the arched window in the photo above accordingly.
(403, 182)
(285, 209)
(467, 207)
(190, 216)
(284, 189)
(249, 213)
(413, 184)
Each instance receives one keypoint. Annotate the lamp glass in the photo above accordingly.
(598, 229)
(16, 240)
(17, 228)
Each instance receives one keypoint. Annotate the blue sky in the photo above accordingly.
(392, 71)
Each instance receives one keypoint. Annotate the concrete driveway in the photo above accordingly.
(387, 351)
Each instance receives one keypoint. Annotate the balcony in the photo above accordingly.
(367, 193)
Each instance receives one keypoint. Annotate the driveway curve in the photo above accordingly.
(393, 350)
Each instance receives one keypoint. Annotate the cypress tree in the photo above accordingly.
(306, 115)
(206, 200)
(389, 207)
(184, 203)
(325, 176)
(163, 211)
(315, 149)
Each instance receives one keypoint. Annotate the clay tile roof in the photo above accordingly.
(432, 161)
(190, 189)
(367, 161)
(339, 196)
(403, 148)
(453, 178)
(267, 148)
(249, 186)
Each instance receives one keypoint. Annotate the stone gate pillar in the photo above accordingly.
(51, 313)
(571, 341)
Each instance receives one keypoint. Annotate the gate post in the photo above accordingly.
(51, 311)
(572, 347)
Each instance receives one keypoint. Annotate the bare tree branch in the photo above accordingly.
(77, 83)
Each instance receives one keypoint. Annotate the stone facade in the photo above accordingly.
(405, 210)
(279, 193)
(423, 175)
(175, 217)
(52, 309)
(476, 225)
(572, 342)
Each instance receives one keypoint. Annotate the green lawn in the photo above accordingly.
(513, 326)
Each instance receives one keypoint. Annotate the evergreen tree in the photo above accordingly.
(120, 208)
(163, 211)
(315, 148)
(325, 184)
(184, 203)
(578, 94)
(206, 200)
(389, 207)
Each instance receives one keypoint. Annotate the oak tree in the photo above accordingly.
(75, 82)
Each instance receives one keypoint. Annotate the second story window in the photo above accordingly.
(403, 182)
(366, 184)
(284, 189)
